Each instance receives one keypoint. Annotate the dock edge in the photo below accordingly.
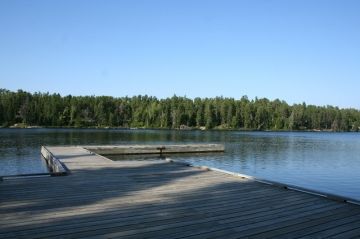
(330, 196)
(56, 167)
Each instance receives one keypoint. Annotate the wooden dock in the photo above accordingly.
(100, 198)
(155, 149)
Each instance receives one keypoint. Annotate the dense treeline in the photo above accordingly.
(45, 109)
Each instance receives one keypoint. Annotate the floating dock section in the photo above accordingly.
(155, 149)
(101, 198)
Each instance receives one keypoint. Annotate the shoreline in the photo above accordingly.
(175, 129)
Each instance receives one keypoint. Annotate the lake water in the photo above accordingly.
(329, 162)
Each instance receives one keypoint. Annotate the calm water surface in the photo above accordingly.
(329, 162)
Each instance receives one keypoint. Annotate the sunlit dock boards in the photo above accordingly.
(101, 198)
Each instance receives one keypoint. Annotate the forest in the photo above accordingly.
(53, 110)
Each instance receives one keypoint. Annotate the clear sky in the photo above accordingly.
(294, 50)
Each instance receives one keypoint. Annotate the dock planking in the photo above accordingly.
(101, 198)
(155, 149)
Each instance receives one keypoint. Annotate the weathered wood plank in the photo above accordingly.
(150, 211)
(156, 199)
(249, 227)
(353, 233)
(339, 230)
(184, 227)
(75, 200)
(127, 220)
(309, 226)
(195, 204)
(314, 230)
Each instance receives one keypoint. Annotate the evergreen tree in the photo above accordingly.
(143, 111)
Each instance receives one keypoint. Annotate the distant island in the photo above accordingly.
(23, 109)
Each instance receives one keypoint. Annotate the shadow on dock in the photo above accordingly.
(163, 200)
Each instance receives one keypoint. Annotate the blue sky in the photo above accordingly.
(292, 50)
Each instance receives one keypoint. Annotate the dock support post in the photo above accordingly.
(161, 150)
